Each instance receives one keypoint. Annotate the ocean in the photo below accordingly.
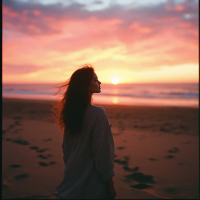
(178, 94)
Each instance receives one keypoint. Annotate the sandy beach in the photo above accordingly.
(156, 151)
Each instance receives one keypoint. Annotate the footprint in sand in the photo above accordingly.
(37, 149)
(126, 180)
(152, 159)
(4, 131)
(121, 162)
(46, 140)
(11, 126)
(45, 157)
(42, 150)
(140, 177)
(120, 148)
(21, 176)
(126, 157)
(17, 123)
(169, 157)
(20, 141)
(180, 163)
(167, 127)
(140, 186)
(42, 156)
(34, 147)
(52, 163)
(171, 190)
(15, 166)
(126, 168)
(45, 164)
(18, 130)
(183, 127)
(174, 150)
(121, 128)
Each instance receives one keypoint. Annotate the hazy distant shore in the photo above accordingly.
(182, 95)
(156, 150)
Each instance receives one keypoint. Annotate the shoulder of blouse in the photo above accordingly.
(97, 110)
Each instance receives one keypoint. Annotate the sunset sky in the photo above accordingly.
(136, 41)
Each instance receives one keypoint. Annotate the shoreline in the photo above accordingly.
(97, 104)
(158, 144)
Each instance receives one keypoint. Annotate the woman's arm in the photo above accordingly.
(103, 148)
(112, 191)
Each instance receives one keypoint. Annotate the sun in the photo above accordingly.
(115, 80)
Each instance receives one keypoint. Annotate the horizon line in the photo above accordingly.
(108, 83)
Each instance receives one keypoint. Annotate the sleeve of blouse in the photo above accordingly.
(63, 148)
(66, 147)
(103, 147)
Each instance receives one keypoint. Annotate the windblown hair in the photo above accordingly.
(75, 100)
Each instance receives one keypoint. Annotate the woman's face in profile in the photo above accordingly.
(95, 85)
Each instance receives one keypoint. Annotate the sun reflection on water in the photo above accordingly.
(115, 100)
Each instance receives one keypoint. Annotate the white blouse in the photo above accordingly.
(88, 158)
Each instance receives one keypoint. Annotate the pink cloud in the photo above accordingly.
(159, 35)
(20, 69)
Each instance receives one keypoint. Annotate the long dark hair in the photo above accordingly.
(71, 109)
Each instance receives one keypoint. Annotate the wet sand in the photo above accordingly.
(156, 151)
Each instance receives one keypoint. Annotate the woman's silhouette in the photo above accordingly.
(88, 143)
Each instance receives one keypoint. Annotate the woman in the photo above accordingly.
(88, 143)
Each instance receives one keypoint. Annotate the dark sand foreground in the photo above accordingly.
(156, 151)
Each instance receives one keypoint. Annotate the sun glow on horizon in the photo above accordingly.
(115, 80)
